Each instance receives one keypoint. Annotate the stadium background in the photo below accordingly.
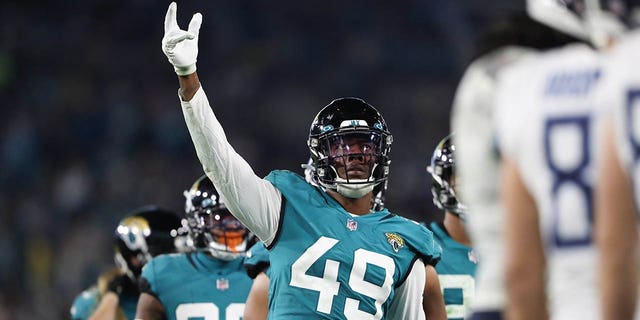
(91, 126)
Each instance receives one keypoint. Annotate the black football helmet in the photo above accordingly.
(211, 226)
(331, 139)
(442, 169)
(142, 234)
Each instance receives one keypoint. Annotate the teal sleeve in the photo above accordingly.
(84, 304)
(257, 260)
(148, 281)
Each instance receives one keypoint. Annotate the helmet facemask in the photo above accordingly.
(309, 172)
(442, 171)
(349, 144)
(212, 228)
(352, 160)
(146, 233)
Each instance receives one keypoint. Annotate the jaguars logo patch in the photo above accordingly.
(395, 241)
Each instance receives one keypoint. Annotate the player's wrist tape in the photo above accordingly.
(186, 70)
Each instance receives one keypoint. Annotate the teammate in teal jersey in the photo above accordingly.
(211, 280)
(457, 267)
(331, 255)
(142, 234)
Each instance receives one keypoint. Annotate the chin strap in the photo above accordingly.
(223, 255)
(223, 252)
(355, 189)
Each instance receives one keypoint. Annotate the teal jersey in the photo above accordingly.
(197, 286)
(456, 272)
(257, 260)
(86, 303)
(329, 264)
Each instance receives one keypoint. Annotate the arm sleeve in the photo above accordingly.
(407, 301)
(147, 281)
(257, 260)
(254, 201)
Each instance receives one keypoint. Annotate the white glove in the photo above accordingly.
(181, 47)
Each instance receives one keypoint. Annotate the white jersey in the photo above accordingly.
(548, 123)
(477, 170)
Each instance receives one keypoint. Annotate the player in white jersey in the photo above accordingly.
(549, 123)
(507, 41)
(548, 126)
(616, 210)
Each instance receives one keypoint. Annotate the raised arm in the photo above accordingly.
(189, 85)
(254, 201)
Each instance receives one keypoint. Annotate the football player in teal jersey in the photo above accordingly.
(208, 282)
(457, 267)
(257, 261)
(332, 256)
(141, 235)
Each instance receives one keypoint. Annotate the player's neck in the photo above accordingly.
(360, 206)
(455, 228)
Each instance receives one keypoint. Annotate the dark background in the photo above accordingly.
(92, 128)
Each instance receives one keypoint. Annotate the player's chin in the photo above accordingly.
(357, 174)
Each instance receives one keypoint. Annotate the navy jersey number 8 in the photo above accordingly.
(570, 176)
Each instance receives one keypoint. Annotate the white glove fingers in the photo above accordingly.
(179, 38)
(170, 21)
(194, 25)
(181, 46)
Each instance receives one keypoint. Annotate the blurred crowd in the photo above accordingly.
(91, 125)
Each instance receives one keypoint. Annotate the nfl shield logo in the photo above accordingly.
(222, 284)
(352, 225)
(472, 256)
